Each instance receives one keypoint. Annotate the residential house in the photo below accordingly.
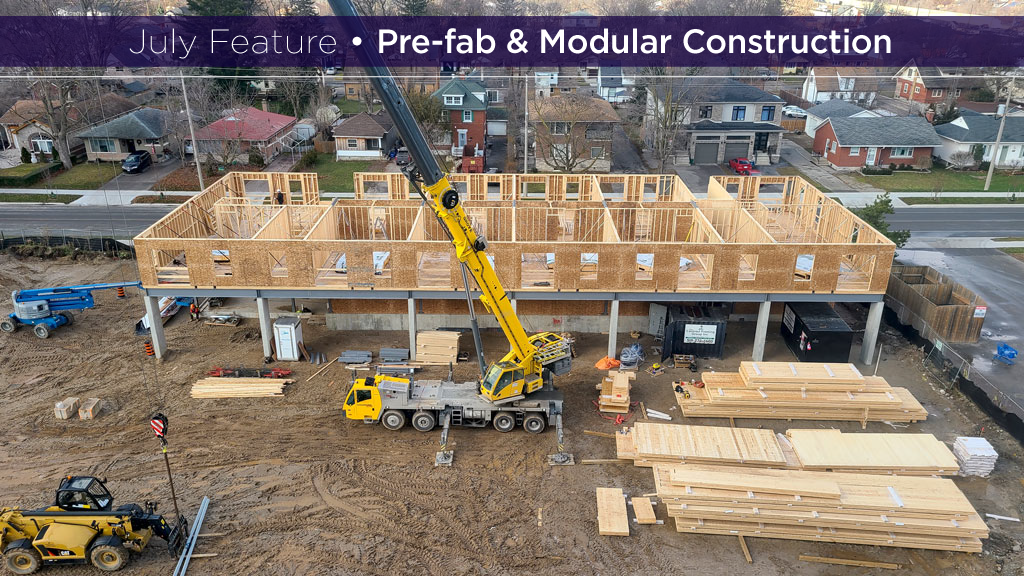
(419, 79)
(856, 142)
(25, 124)
(465, 103)
(231, 138)
(989, 108)
(824, 83)
(364, 136)
(931, 85)
(144, 129)
(572, 133)
(717, 119)
(816, 115)
(971, 131)
(612, 85)
(544, 79)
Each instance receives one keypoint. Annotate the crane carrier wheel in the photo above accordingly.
(393, 419)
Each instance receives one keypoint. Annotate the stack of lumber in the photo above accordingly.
(239, 387)
(976, 456)
(800, 391)
(649, 443)
(899, 511)
(438, 348)
(614, 396)
(611, 512)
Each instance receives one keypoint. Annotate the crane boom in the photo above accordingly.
(520, 371)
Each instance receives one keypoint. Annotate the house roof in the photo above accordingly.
(464, 88)
(567, 109)
(143, 124)
(497, 113)
(718, 90)
(936, 77)
(22, 112)
(135, 87)
(364, 125)
(891, 131)
(835, 108)
(826, 78)
(611, 76)
(250, 124)
(710, 125)
(981, 129)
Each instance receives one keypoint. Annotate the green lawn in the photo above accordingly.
(1017, 253)
(160, 199)
(347, 106)
(81, 177)
(1009, 239)
(941, 179)
(959, 200)
(42, 198)
(337, 176)
(20, 170)
(793, 171)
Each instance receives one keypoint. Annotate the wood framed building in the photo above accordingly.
(595, 239)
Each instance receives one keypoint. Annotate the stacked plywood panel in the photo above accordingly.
(437, 348)
(900, 511)
(239, 387)
(614, 396)
(648, 443)
(800, 391)
(611, 512)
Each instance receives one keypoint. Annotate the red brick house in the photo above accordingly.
(465, 103)
(855, 142)
(933, 85)
(231, 138)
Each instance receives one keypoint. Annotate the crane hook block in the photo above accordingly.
(450, 199)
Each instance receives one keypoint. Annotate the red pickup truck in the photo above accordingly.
(744, 167)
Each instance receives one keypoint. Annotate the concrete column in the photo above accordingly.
(613, 328)
(514, 308)
(867, 350)
(761, 332)
(266, 327)
(412, 329)
(156, 325)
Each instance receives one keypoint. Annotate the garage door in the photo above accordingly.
(736, 150)
(497, 127)
(706, 153)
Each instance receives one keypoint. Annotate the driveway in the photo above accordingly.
(696, 177)
(497, 153)
(144, 181)
(625, 157)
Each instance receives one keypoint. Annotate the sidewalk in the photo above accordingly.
(94, 197)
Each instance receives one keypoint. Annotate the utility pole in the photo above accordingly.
(999, 135)
(192, 132)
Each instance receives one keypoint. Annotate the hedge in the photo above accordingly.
(29, 178)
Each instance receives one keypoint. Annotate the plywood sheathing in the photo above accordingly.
(935, 304)
(714, 236)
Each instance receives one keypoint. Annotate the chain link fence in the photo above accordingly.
(115, 242)
(949, 367)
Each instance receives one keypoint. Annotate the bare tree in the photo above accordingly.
(323, 112)
(627, 7)
(718, 8)
(430, 115)
(668, 107)
(961, 160)
(376, 7)
(297, 93)
(565, 130)
(545, 8)
(515, 108)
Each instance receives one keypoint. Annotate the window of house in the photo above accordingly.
(597, 152)
(902, 153)
(351, 90)
(560, 128)
(352, 143)
(936, 93)
(42, 144)
(467, 115)
(102, 145)
(453, 100)
(958, 92)
(917, 89)
(833, 146)
(560, 152)
(768, 113)
(493, 96)
(644, 266)
(855, 151)
(588, 266)
(705, 111)
(739, 113)
(906, 88)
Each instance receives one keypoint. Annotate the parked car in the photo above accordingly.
(794, 112)
(767, 74)
(137, 162)
(744, 167)
(330, 70)
(403, 157)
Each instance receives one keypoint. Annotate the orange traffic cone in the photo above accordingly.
(120, 292)
(149, 348)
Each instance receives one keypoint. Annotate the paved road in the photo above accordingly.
(51, 218)
(960, 221)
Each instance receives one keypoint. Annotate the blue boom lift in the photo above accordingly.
(46, 309)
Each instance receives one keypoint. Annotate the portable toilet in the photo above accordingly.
(287, 338)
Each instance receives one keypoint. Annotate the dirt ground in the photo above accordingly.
(300, 490)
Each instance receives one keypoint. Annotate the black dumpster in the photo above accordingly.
(696, 330)
(816, 333)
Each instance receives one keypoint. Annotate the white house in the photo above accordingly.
(971, 130)
(364, 136)
(816, 115)
(824, 83)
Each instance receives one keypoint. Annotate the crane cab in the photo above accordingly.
(506, 380)
(363, 401)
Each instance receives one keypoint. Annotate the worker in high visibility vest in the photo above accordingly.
(193, 310)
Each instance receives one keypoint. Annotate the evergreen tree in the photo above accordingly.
(874, 214)
(302, 8)
(509, 7)
(224, 7)
(414, 7)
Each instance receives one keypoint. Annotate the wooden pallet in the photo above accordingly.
(434, 348)
(614, 392)
(650, 443)
(239, 387)
(910, 512)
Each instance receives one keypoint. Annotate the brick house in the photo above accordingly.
(931, 85)
(856, 142)
(25, 123)
(364, 136)
(572, 133)
(232, 137)
(824, 83)
(144, 129)
(465, 104)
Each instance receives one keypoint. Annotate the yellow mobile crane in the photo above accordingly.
(531, 361)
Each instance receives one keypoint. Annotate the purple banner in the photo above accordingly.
(510, 41)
